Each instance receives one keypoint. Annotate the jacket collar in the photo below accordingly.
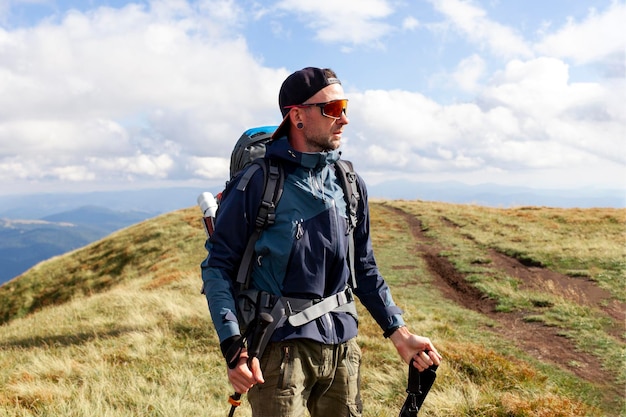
(281, 149)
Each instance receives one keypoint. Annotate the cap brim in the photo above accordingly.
(283, 128)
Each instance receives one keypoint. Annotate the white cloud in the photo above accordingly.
(475, 25)
(210, 167)
(162, 91)
(101, 85)
(469, 73)
(596, 38)
(155, 166)
(538, 87)
(402, 115)
(37, 136)
(358, 22)
(12, 168)
(584, 117)
(410, 23)
(530, 117)
(74, 173)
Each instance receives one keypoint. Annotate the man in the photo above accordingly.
(304, 257)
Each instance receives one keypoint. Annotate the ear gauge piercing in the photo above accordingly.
(299, 125)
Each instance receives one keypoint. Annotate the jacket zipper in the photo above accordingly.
(317, 185)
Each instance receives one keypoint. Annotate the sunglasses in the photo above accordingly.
(332, 109)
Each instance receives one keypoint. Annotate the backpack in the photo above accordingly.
(248, 154)
(250, 146)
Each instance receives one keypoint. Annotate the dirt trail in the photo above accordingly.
(539, 340)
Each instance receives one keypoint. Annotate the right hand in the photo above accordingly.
(245, 375)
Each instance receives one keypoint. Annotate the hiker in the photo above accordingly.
(303, 261)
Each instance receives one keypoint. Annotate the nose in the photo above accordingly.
(343, 119)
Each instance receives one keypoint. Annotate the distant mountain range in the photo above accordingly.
(164, 200)
(36, 227)
(154, 201)
(493, 195)
(24, 243)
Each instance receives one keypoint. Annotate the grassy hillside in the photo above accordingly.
(526, 305)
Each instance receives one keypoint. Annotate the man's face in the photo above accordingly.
(323, 133)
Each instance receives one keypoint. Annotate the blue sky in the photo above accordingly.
(102, 95)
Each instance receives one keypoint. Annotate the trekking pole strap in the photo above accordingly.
(418, 386)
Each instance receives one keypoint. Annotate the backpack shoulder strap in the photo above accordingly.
(266, 215)
(347, 178)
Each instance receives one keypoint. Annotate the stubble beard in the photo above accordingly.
(323, 142)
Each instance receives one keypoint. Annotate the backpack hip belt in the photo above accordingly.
(299, 311)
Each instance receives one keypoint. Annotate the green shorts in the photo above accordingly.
(302, 374)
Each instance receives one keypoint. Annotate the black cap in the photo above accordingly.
(298, 88)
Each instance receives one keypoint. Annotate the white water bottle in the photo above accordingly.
(208, 206)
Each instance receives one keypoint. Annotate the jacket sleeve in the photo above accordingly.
(234, 225)
(372, 289)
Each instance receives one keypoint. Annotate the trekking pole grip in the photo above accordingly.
(263, 321)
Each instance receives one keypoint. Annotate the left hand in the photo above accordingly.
(411, 346)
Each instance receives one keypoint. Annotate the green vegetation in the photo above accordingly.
(119, 327)
(585, 244)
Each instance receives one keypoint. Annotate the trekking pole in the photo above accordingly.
(418, 386)
(264, 320)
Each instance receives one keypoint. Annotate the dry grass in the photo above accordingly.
(119, 328)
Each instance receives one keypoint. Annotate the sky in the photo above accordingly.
(113, 95)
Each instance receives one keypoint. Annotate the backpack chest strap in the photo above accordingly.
(302, 311)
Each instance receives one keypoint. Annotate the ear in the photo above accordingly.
(296, 115)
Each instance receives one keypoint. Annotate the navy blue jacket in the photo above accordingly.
(303, 255)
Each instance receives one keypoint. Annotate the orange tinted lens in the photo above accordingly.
(335, 108)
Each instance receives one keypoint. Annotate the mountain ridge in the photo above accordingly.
(98, 213)
(163, 200)
(26, 242)
(494, 195)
